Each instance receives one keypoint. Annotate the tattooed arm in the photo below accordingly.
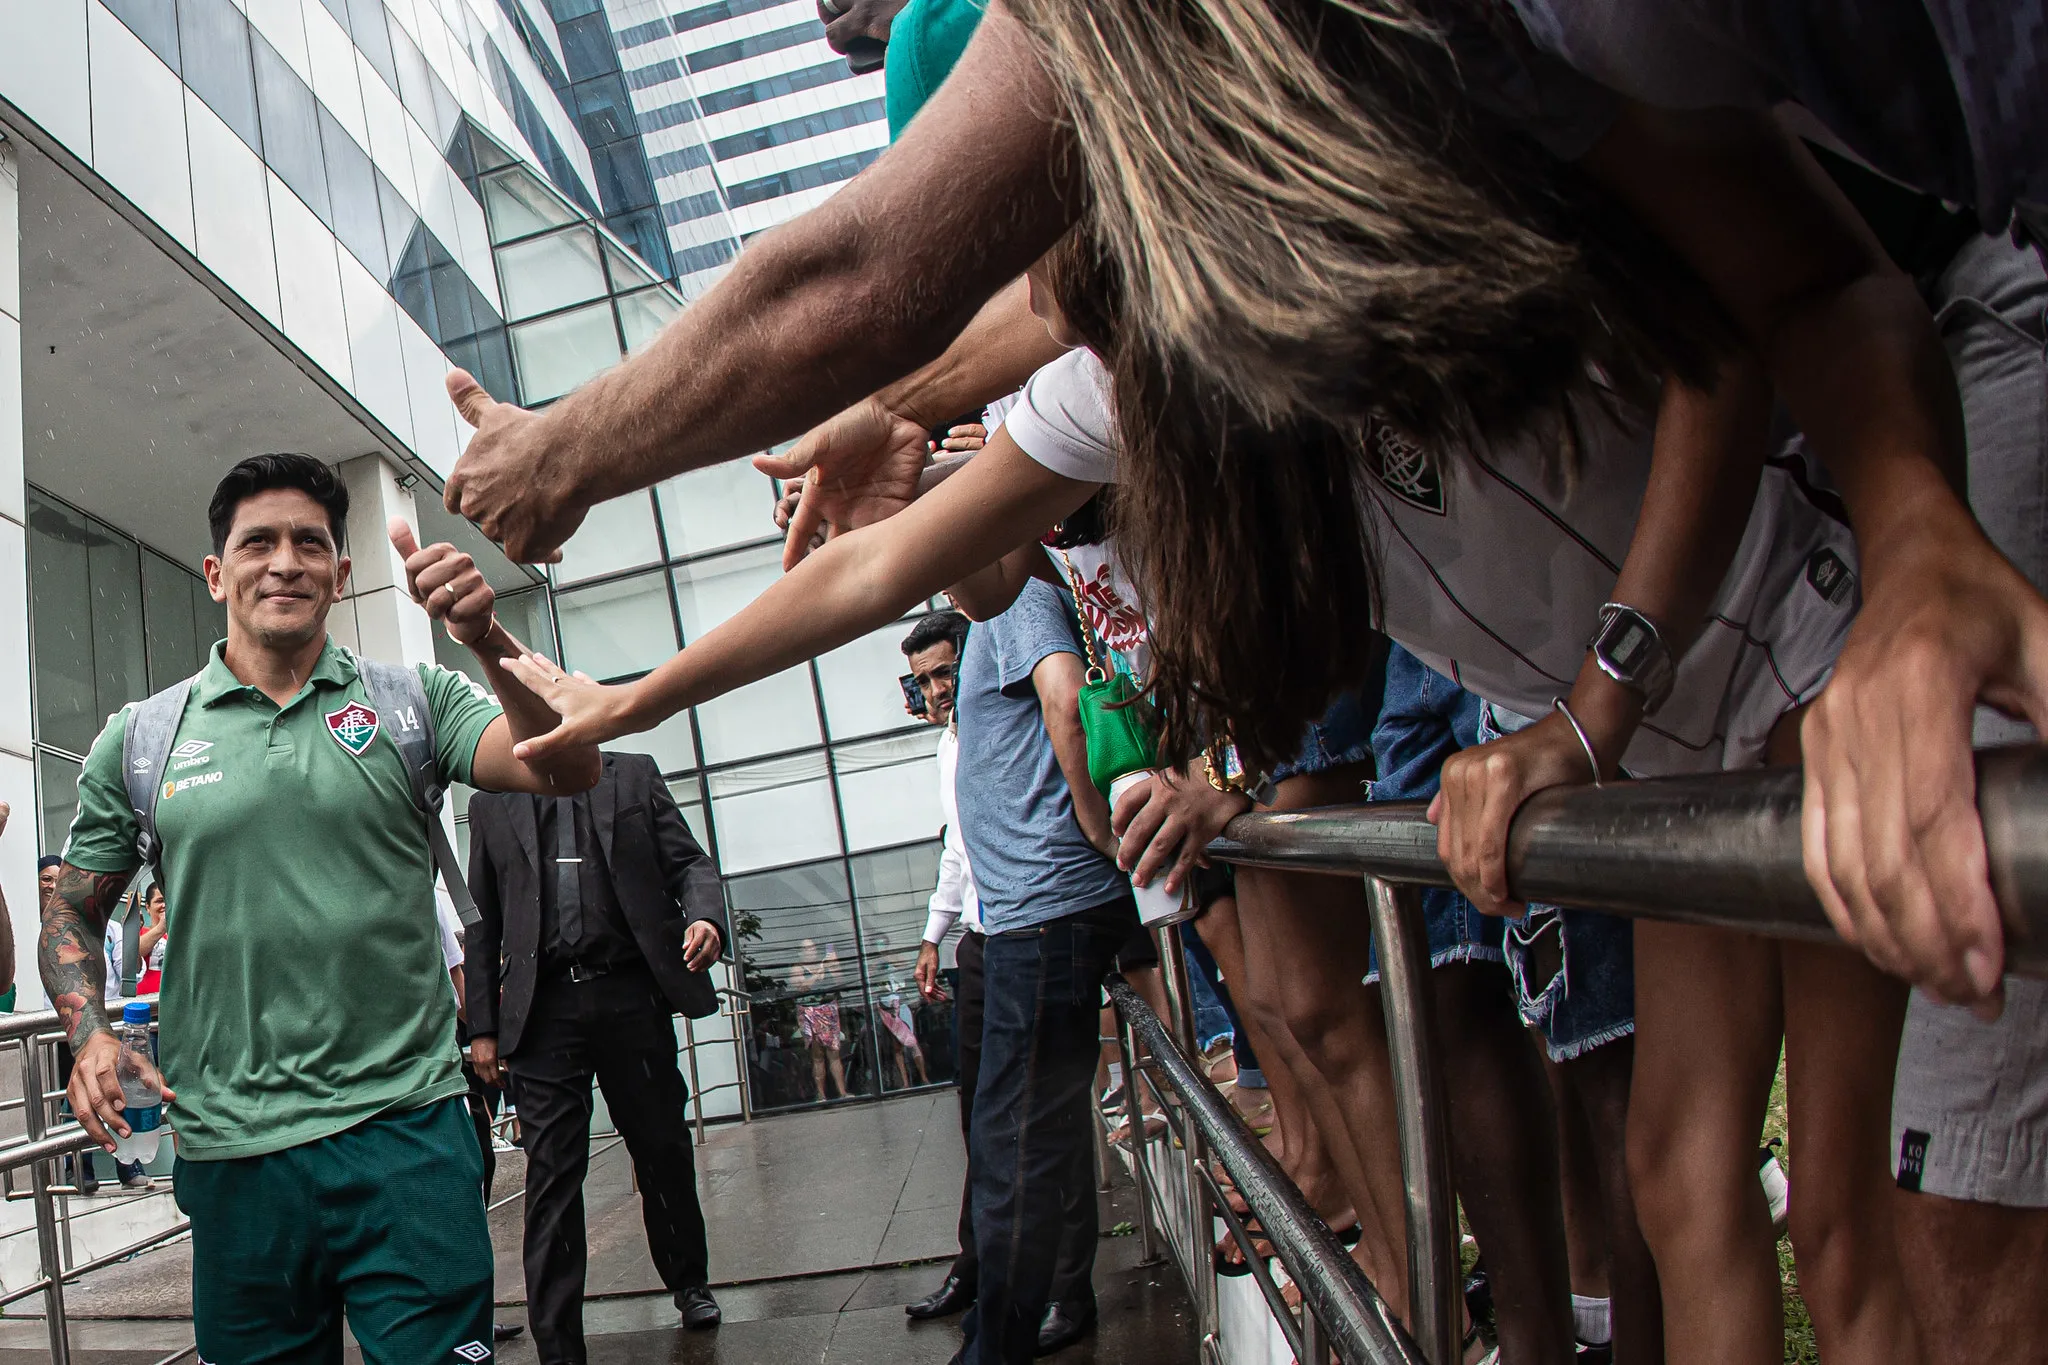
(74, 967)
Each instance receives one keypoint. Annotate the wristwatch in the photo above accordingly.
(1630, 650)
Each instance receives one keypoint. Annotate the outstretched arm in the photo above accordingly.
(858, 582)
(821, 312)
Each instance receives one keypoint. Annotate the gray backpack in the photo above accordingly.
(400, 702)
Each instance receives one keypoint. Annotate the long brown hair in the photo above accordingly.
(1300, 222)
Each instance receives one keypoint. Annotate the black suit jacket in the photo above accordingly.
(663, 879)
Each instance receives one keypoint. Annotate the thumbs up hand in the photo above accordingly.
(447, 583)
(511, 480)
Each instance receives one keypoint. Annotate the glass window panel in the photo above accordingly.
(400, 222)
(772, 813)
(689, 795)
(366, 22)
(415, 87)
(604, 112)
(778, 712)
(711, 508)
(643, 315)
(546, 273)
(893, 890)
(86, 604)
(860, 687)
(669, 744)
(614, 535)
(175, 650)
(519, 205)
(627, 273)
(57, 789)
(525, 613)
(558, 353)
(617, 628)
(711, 591)
(889, 789)
(153, 21)
(794, 929)
(357, 219)
(291, 126)
(587, 47)
(216, 48)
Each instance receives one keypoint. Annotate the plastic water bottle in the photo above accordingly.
(142, 1099)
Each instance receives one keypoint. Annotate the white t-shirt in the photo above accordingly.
(1495, 577)
(953, 897)
(450, 925)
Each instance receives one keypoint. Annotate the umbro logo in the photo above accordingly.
(192, 748)
(473, 1351)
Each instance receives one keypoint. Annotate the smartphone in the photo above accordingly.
(913, 695)
(865, 54)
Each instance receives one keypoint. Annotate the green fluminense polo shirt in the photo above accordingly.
(304, 990)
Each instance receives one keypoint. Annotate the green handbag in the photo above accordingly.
(1116, 716)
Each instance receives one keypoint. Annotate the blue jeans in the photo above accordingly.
(1029, 1143)
(1424, 719)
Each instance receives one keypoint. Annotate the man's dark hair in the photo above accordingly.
(939, 628)
(260, 474)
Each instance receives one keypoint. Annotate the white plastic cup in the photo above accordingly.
(1157, 907)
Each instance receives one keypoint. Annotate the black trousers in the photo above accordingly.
(967, 1001)
(618, 1029)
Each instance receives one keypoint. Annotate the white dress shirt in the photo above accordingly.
(953, 899)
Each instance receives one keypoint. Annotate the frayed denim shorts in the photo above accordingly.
(1343, 735)
(1574, 970)
(1424, 719)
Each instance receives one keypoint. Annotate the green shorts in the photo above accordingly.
(385, 1220)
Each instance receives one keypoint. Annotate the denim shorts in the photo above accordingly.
(1574, 970)
(1343, 735)
(1424, 719)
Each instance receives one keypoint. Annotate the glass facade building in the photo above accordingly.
(229, 226)
(748, 118)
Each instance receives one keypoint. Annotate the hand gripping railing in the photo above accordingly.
(1720, 850)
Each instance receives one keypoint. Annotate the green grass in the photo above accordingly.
(1799, 1347)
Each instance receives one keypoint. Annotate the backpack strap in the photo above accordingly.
(400, 701)
(145, 755)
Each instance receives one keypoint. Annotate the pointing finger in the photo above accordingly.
(469, 397)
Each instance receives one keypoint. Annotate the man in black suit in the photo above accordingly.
(599, 916)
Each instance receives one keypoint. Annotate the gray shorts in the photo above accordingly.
(1970, 1108)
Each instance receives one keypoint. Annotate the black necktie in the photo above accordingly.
(568, 879)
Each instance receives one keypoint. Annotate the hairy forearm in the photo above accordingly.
(849, 297)
(68, 948)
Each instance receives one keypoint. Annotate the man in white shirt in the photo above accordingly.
(933, 650)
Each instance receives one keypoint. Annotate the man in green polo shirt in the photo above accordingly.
(308, 1035)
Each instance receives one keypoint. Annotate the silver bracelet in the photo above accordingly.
(1584, 743)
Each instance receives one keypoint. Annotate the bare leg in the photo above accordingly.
(1707, 1033)
(1598, 1085)
(1980, 1287)
(838, 1070)
(1842, 1022)
(1585, 1217)
(1504, 1155)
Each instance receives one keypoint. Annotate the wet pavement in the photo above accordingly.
(822, 1225)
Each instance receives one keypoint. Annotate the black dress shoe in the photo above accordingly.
(1062, 1327)
(700, 1310)
(949, 1298)
(505, 1331)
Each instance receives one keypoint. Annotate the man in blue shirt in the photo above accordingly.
(1057, 911)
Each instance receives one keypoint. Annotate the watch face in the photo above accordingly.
(1629, 647)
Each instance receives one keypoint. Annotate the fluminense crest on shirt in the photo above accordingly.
(354, 726)
(1404, 467)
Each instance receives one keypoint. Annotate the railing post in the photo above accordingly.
(1435, 1298)
(1134, 1121)
(696, 1090)
(1201, 1260)
(35, 1112)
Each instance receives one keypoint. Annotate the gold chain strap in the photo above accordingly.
(1095, 669)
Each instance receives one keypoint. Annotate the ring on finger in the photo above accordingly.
(449, 588)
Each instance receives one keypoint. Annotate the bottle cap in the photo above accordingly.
(135, 1012)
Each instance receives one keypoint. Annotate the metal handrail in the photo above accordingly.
(1721, 850)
